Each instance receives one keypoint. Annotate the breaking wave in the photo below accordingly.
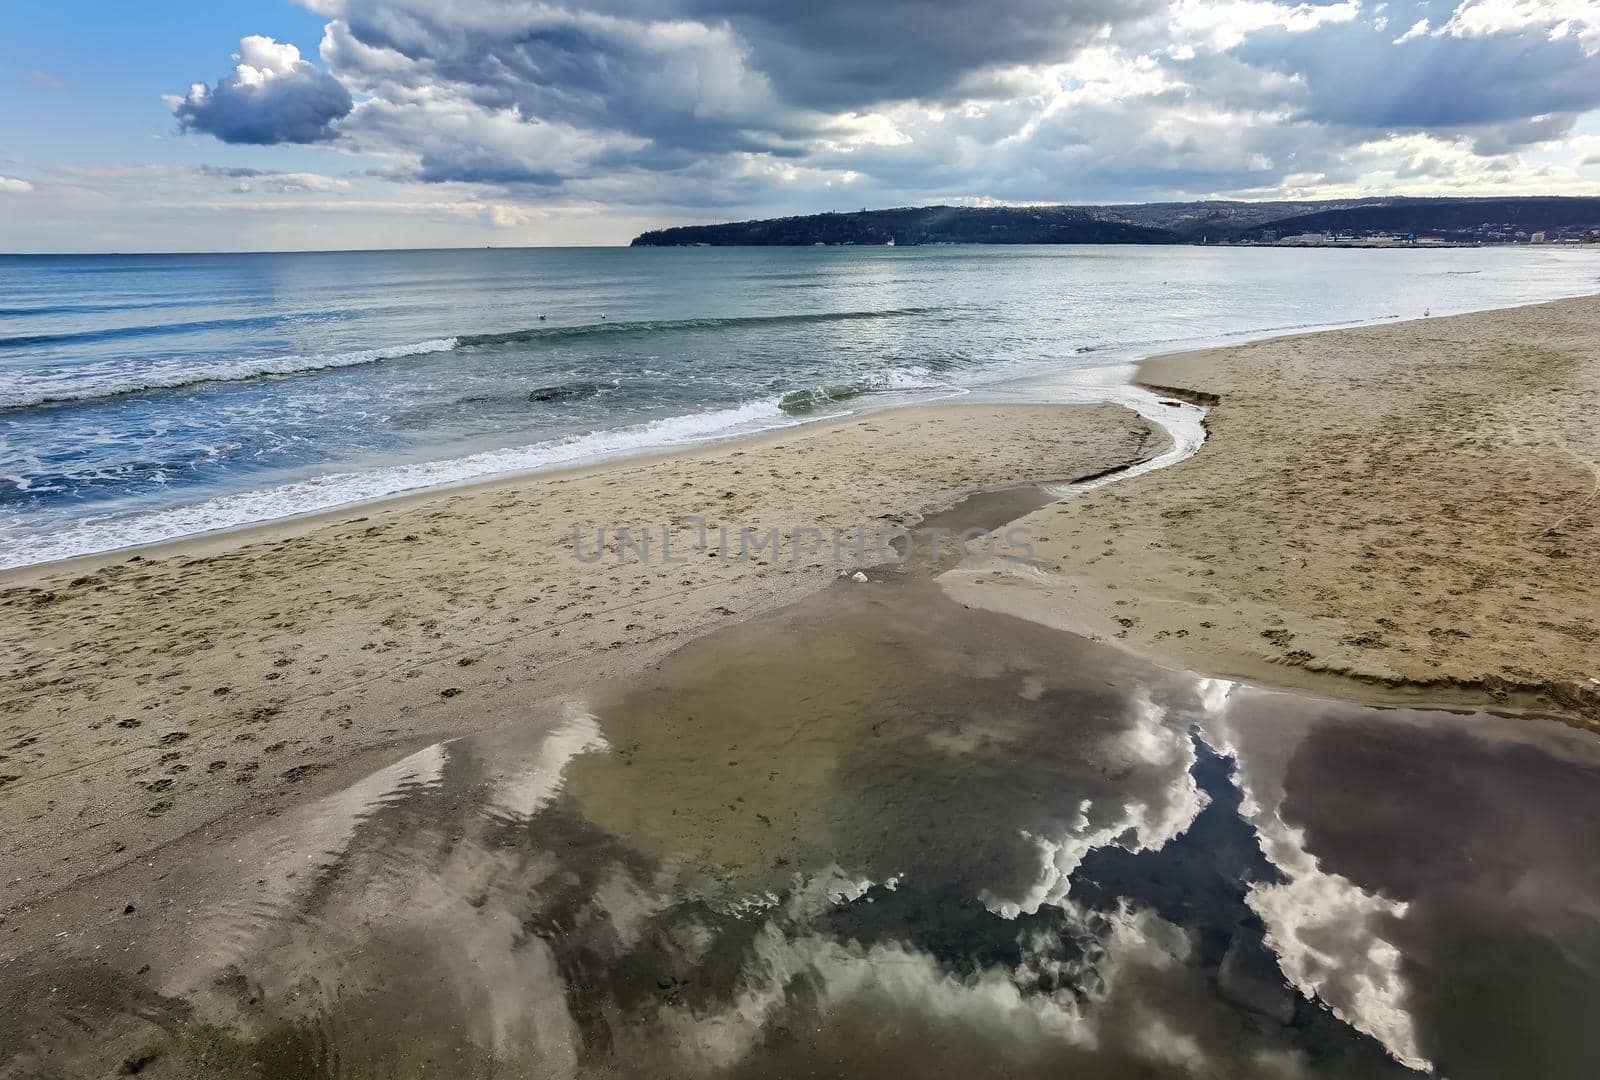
(657, 326)
(801, 402)
(87, 382)
(107, 532)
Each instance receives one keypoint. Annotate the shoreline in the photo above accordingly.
(153, 695)
(290, 525)
(1347, 530)
(228, 536)
(1128, 357)
(233, 675)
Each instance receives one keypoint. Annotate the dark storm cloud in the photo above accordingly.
(845, 54)
(676, 83)
(1511, 136)
(1359, 76)
(687, 102)
(694, 77)
(273, 96)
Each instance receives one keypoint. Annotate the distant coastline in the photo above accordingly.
(1377, 222)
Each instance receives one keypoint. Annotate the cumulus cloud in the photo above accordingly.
(1418, 29)
(1327, 931)
(1159, 757)
(677, 84)
(1530, 131)
(1353, 76)
(846, 55)
(12, 186)
(1557, 19)
(273, 96)
(1223, 25)
(722, 104)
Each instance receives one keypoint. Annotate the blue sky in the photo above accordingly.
(338, 123)
(114, 62)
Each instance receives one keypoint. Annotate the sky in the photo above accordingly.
(277, 125)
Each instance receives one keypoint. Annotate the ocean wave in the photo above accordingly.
(87, 382)
(656, 326)
(801, 402)
(90, 309)
(167, 329)
(573, 391)
(1191, 341)
(109, 532)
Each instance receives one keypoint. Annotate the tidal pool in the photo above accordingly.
(879, 834)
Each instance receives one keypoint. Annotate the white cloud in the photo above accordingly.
(1587, 147)
(1418, 29)
(1223, 25)
(703, 110)
(532, 783)
(1327, 931)
(1427, 164)
(293, 182)
(273, 96)
(12, 186)
(505, 216)
(1556, 18)
(1150, 743)
(261, 59)
(1328, 934)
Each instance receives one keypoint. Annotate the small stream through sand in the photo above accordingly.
(879, 834)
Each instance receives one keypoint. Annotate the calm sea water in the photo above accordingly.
(148, 397)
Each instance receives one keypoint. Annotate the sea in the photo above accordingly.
(150, 397)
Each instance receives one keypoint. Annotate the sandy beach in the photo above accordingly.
(149, 694)
(411, 785)
(573, 541)
(1402, 512)
(1396, 512)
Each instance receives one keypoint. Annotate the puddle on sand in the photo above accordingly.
(879, 834)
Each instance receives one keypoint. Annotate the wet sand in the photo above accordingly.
(877, 834)
(147, 695)
(866, 828)
(1400, 512)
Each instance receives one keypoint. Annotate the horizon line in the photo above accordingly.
(814, 213)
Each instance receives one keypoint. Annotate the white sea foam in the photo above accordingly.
(883, 381)
(107, 532)
(22, 543)
(906, 378)
(84, 382)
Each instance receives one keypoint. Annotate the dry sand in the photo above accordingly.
(145, 696)
(1412, 506)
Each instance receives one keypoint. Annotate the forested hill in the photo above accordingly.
(921, 225)
(1497, 220)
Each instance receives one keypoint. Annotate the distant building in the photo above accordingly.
(1536, 238)
(1310, 239)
